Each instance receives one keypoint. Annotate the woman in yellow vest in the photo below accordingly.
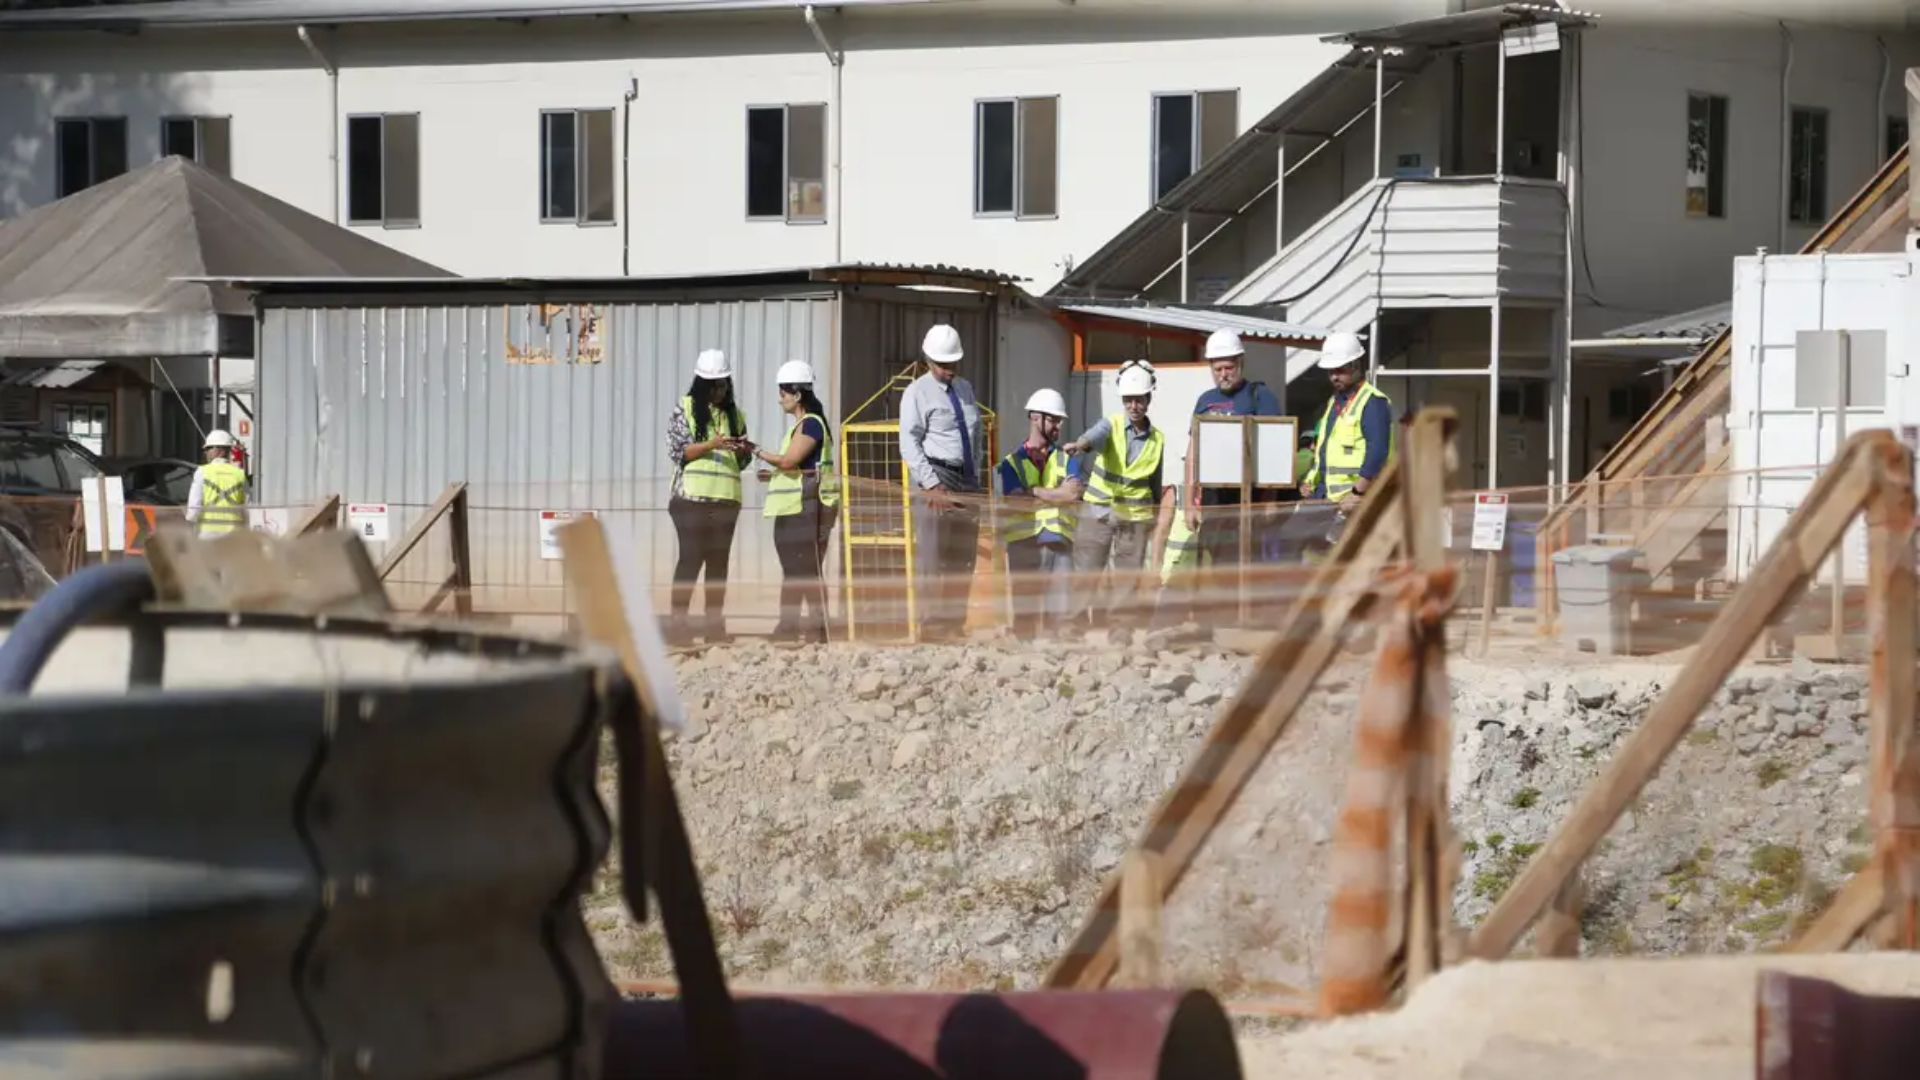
(803, 497)
(707, 442)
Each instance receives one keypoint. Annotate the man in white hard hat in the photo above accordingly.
(217, 496)
(1352, 442)
(1231, 395)
(940, 440)
(1123, 498)
(1037, 526)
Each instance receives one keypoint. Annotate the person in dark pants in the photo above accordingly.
(1353, 442)
(803, 494)
(940, 440)
(707, 442)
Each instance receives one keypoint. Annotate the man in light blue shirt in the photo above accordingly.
(940, 440)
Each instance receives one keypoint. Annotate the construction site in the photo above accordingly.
(1616, 775)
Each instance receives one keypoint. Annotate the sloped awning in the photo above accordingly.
(1699, 325)
(1197, 321)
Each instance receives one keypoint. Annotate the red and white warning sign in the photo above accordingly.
(1490, 521)
(368, 521)
(550, 522)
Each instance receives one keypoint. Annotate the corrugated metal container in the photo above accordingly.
(561, 406)
(1782, 425)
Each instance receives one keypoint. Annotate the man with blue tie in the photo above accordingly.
(940, 440)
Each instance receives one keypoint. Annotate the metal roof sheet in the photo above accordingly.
(290, 12)
(1699, 324)
(932, 275)
(58, 376)
(1203, 320)
(1462, 28)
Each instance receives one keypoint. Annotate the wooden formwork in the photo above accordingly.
(1393, 548)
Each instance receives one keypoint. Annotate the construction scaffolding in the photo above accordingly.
(879, 594)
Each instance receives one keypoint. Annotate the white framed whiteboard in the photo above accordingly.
(1276, 441)
(1222, 445)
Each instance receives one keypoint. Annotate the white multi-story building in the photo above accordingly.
(1533, 177)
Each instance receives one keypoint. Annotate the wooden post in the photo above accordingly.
(1558, 935)
(1486, 605)
(1894, 798)
(461, 535)
(1141, 921)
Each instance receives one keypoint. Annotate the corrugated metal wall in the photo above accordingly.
(535, 407)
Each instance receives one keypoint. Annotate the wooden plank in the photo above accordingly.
(1860, 902)
(1141, 920)
(1558, 935)
(1308, 638)
(1894, 771)
(1809, 535)
(418, 530)
(323, 515)
(1428, 903)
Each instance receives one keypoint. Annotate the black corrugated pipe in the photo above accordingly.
(106, 590)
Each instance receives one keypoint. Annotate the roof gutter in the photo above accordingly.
(333, 113)
(131, 18)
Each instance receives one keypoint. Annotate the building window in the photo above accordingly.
(1896, 136)
(383, 169)
(204, 139)
(1188, 130)
(1706, 155)
(1807, 167)
(576, 166)
(89, 150)
(787, 163)
(1016, 158)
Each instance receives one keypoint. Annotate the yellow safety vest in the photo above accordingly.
(1124, 485)
(787, 491)
(1051, 517)
(716, 476)
(1183, 548)
(223, 498)
(1342, 445)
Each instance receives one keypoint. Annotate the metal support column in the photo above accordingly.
(1493, 396)
(1186, 246)
(1570, 57)
(1379, 93)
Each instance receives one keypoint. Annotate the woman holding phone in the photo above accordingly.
(803, 493)
(707, 442)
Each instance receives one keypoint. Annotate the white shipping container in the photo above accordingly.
(1782, 423)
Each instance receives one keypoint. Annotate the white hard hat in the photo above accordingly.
(794, 373)
(1049, 402)
(1222, 344)
(217, 438)
(712, 364)
(1339, 350)
(1136, 377)
(942, 345)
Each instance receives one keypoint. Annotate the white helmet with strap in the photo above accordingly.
(1136, 378)
(219, 439)
(1048, 402)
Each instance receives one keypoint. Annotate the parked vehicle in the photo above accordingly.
(154, 481)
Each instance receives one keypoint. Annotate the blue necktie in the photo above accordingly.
(960, 421)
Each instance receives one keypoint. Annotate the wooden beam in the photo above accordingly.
(1839, 493)
(1860, 902)
(322, 515)
(1142, 921)
(1894, 794)
(418, 530)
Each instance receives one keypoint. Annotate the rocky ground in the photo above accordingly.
(941, 816)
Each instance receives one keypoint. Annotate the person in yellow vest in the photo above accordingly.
(1037, 528)
(1120, 519)
(1352, 443)
(803, 499)
(217, 496)
(707, 443)
(1185, 554)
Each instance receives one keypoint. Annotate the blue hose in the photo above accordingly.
(109, 589)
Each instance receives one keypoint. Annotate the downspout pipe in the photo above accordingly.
(626, 174)
(1786, 135)
(333, 112)
(1876, 143)
(837, 58)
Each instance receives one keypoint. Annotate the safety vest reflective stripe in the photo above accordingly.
(1183, 549)
(1026, 524)
(716, 476)
(786, 492)
(1342, 442)
(223, 495)
(1125, 485)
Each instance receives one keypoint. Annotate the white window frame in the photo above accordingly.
(1816, 215)
(580, 170)
(1194, 147)
(1019, 211)
(1726, 162)
(61, 190)
(786, 215)
(199, 138)
(386, 220)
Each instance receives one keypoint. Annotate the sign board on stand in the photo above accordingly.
(1489, 535)
(103, 502)
(368, 521)
(550, 523)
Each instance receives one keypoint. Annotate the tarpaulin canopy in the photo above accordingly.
(96, 274)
